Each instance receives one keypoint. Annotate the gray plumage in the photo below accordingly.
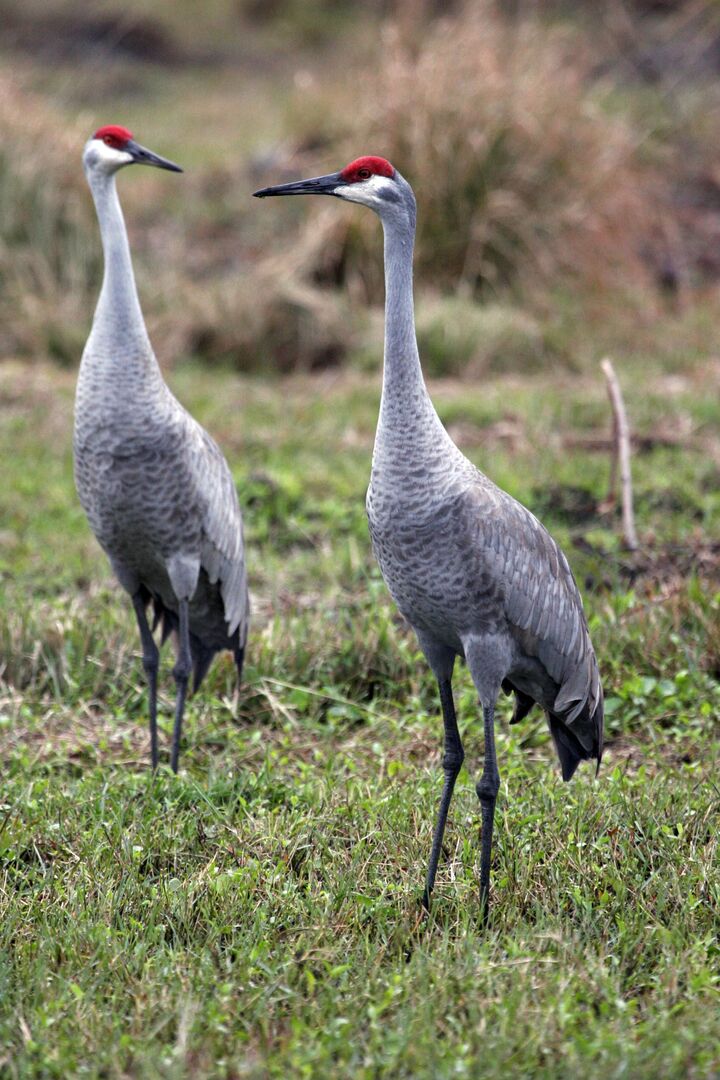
(156, 489)
(473, 572)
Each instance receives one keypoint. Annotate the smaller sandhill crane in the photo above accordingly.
(157, 491)
(472, 571)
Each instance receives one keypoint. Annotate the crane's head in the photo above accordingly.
(112, 147)
(372, 181)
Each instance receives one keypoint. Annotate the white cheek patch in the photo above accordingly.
(108, 155)
(369, 192)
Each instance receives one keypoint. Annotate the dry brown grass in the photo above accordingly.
(519, 173)
(522, 179)
(48, 262)
(273, 316)
(523, 182)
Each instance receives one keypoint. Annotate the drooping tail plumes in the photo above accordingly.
(202, 652)
(581, 740)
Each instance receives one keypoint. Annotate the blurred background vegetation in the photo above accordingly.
(564, 156)
(257, 916)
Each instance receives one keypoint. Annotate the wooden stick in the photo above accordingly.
(613, 477)
(621, 454)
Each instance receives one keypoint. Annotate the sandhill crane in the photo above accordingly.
(472, 571)
(157, 491)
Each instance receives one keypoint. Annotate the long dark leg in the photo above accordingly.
(487, 789)
(239, 656)
(181, 672)
(452, 762)
(151, 661)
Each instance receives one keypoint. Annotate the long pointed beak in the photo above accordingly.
(142, 156)
(317, 185)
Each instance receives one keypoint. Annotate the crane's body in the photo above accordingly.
(148, 479)
(473, 572)
(156, 489)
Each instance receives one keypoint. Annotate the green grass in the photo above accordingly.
(259, 915)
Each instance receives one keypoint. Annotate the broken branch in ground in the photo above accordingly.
(621, 455)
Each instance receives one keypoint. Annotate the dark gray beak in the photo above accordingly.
(318, 185)
(141, 156)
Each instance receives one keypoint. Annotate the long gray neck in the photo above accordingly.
(118, 317)
(408, 423)
(402, 374)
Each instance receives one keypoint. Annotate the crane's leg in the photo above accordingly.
(151, 661)
(239, 656)
(181, 672)
(452, 762)
(487, 789)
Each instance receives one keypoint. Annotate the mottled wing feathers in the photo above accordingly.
(541, 603)
(223, 554)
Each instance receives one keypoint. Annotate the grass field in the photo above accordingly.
(259, 914)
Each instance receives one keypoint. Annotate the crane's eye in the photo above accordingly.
(364, 174)
(108, 140)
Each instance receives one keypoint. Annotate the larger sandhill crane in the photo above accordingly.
(157, 491)
(473, 572)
